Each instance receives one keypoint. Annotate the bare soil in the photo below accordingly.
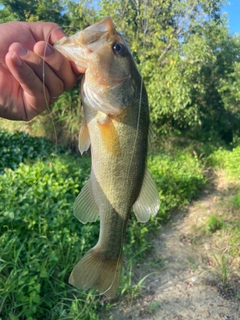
(185, 281)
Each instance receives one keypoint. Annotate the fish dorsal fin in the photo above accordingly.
(151, 135)
(85, 209)
(148, 201)
(84, 139)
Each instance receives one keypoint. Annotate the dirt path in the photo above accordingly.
(186, 281)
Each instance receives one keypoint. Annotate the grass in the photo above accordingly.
(235, 202)
(214, 223)
(220, 224)
(229, 162)
(153, 307)
(222, 268)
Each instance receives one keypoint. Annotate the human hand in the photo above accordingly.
(32, 73)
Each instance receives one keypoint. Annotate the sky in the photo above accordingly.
(233, 10)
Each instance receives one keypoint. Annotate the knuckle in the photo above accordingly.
(30, 77)
(70, 82)
(58, 88)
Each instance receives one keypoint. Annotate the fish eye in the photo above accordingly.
(119, 49)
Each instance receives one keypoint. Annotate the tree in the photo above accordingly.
(36, 10)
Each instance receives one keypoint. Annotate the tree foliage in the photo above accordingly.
(36, 10)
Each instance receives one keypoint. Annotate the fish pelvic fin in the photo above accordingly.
(84, 139)
(148, 201)
(85, 208)
(95, 270)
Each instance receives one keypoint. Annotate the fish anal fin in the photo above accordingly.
(84, 139)
(148, 201)
(95, 270)
(85, 209)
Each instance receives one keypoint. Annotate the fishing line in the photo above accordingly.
(128, 174)
(135, 140)
(127, 182)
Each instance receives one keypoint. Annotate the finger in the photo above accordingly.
(57, 62)
(47, 76)
(33, 92)
(48, 31)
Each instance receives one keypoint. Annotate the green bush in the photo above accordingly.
(21, 147)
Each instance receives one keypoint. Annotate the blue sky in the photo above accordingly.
(233, 10)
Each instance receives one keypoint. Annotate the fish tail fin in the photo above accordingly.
(96, 270)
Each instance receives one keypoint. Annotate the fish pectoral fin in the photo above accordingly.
(84, 139)
(148, 201)
(85, 209)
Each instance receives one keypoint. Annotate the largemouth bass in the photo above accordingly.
(116, 126)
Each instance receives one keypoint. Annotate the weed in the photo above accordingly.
(236, 201)
(152, 308)
(193, 263)
(214, 223)
(227, 160)
(223, 269)
(157, 263)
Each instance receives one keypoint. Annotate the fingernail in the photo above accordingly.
(21, 51)
(48, 50)
(16, 60)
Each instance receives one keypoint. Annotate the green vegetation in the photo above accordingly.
(41, 240)
(222, 267)
(214, 223)
(236, 201)
(229, 163)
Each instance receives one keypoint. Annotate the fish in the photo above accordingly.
(117, 130)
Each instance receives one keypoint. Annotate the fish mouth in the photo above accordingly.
(79, 46)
